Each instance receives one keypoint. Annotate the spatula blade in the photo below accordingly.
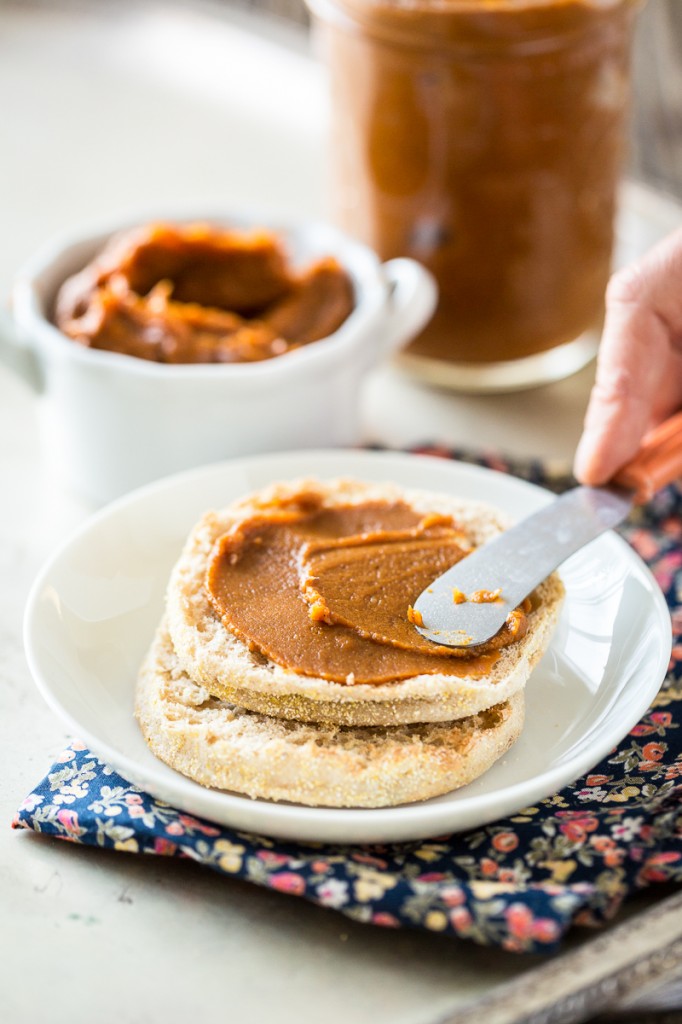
(514, 564)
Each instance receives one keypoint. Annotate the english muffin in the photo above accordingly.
(218, 644)
(227, 747)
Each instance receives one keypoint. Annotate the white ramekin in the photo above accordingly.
(111, 422)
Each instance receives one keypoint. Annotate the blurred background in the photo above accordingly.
(656, 154)
(656, 151)
(112, 105)
(115, 109)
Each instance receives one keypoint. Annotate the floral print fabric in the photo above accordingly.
(519, 883)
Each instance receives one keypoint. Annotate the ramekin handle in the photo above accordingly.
(412, 300)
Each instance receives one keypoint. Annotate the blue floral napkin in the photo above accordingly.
(519, 883)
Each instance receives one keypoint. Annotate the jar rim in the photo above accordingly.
(522, 26)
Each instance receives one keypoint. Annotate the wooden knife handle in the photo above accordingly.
(657, 463)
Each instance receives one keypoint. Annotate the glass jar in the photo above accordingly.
(485, 139)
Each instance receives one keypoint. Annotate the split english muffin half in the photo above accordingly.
(232, 668)
(220, 745)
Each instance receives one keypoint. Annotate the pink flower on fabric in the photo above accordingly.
(577, 827)
(276, 860)
(385, 920)
(642, 729)
(366, 858)
(69, 821)
(174, 828)
(603, 843)
(287, 881)
(488, 867)
(164, 847)
(198, 826)
(133, 798)
(505, 842)
(519, 920)
(136, 811)
(460, 919)
(544, 929)
(453, 896)
(655, 869)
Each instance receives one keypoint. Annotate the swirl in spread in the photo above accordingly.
(324, 591)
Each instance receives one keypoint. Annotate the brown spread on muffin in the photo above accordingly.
(326, 591)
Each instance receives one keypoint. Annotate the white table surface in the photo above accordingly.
(108, 109)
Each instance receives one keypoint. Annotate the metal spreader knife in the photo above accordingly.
(516, 561)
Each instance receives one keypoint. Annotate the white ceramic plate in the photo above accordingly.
(93, 611)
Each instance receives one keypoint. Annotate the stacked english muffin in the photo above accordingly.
(221, 703)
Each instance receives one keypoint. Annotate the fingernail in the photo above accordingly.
(586, 467)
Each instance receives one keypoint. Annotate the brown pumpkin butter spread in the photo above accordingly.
(200, 294)
(484, 138)
(324, 591)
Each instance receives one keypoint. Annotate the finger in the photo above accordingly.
(633, 352)
(656, 281)
(639, 369)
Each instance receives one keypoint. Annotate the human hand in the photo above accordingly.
(639, 367)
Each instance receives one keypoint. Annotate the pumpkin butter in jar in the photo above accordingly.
(485, 138)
